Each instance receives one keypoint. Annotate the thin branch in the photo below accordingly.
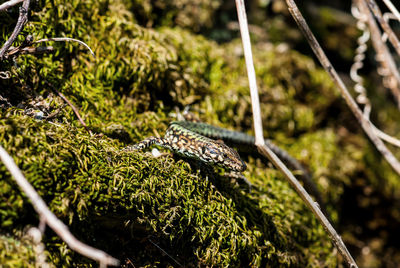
(52, 221)
(265, 151)
(385, 26)
(14, 51)
(362, 97)
(24, 49)
(384, 57)
(248, 56)
(8, 4)
(165, 253)
(67, 39)
(386, 137)
(364, 122)
(72, 106)
(22, 20)
(392, 8)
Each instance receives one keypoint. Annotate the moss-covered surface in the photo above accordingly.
(16, 252)
(163, 211)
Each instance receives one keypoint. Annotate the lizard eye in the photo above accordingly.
(212, 151)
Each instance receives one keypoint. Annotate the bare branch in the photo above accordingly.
(67, 39)
(72, 106)
(8, 4)
(364, 122)
(362, 97)
(265, 151)
(248, 55)
(14, 51)
(52, 221)
(390, 71)
(392, 9)
(22, 20)
(386, 137)
(385, 26)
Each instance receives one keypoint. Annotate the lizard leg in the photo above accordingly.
(147, 143)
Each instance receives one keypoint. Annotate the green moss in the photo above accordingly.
(195, 15)
(124, 95)
(84, 180)
(17, 251)
(132, 204)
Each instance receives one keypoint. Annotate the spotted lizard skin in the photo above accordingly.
(188, 143)
(203, 142)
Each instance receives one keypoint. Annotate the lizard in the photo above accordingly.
(206, 143)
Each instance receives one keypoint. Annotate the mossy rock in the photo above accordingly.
(18, 250)
(163, 211)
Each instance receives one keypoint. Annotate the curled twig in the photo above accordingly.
(358, 61)
(265, 151)
(25, 47)
(50, 219)
(364, 122)
(389, 70)
(5, 75)
(67, 39)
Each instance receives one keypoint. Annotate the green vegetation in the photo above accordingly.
(132, 204)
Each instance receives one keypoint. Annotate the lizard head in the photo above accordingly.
(224, 156)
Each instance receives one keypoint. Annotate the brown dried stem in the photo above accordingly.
(14, 51)
(385, 25)
(9, 4)
(22, 20)
(364, 122)
(392, 8)
(72, 107)
(50, 219)
(67, 39)
(265, 151)
(384, 57)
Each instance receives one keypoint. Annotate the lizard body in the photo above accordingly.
(205, 143)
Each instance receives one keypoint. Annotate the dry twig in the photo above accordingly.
(22, 20)
(8, 4)
(392, 8)
(251, 73)
(362, 97)
(48, 217)
(14, 51)
(389, 69)
(364, 122)
(264, 150)
(385, 26)
(72, 107)
(66, 39)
